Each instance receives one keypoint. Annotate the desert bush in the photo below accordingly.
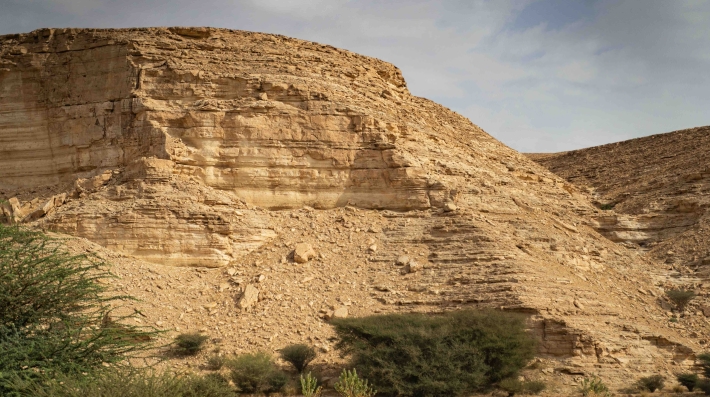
(593, 386)
(55, 313)
(310, 387)
(298, 355)
(351, 385)
(704, 386)
(651, 383)
(680, 297)
(704, 359)
(688, 380)
(215, 362)
(514, 386)
(189, 344)
(256, 373)
(134, 383)
(434, 355)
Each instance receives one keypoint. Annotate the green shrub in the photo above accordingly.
(680, 297)
(134, 383)
(310, 387)
(189, 344)
(688, 380)
(514, 386)
(256, 373)
(651, 383)
(704, 359)
(215, 362)
(704, 386)
(534, 387)
(298, 355)
(55, 313)
(434, 355)
(351, 385)
(593, 386)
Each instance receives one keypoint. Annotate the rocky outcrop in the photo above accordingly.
(216, 148)
(653, 191)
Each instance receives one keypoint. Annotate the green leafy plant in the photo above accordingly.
(593, 386)
(704, 359)
(351, 385)
(189, 344)
(256, 373)
(309, 386)
(123, 383)
(688, 380)
(651, 383)
(298, 355)
(215, 362)
(449, 354)
(607, 206)
(514, 386)
(704, 386)
(680, 297)
(55, 313)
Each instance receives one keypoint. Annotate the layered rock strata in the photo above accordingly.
(216, 148)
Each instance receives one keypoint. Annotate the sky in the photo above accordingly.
(539, 75)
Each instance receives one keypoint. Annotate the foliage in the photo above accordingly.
(256, 373)
(593, 386)
(309, 386)
(680, 297)
(189, 344)
(651, 383)
(55, 314)
(704, 386)
(215, 362)
(298, 355)
(514, 386)
(351, 385)
(607, 206)
(704, 359)
(434, 355)
(134, 383)
(688, 380)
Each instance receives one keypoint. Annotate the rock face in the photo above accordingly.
(653, 191)
(216, 148)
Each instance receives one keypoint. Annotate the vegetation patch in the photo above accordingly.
(55, 314)
(434, 355)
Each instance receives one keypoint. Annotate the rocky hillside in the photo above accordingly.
(654, 190)
(252, 185)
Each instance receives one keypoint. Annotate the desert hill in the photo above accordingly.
(655, 190)
(197, 160)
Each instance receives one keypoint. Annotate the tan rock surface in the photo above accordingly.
(215, 148)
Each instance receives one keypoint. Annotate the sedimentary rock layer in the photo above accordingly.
(217, 148)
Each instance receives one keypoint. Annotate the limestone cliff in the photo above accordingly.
(217, 148)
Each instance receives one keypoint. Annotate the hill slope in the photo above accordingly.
(658, 188)
(180, 150)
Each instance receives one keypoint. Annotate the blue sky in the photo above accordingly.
(539, 75)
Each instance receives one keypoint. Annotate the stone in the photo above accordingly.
(249, 298)
(341, 312)
(411, 267)
(303, 253)
(402, 260)
(450, 207)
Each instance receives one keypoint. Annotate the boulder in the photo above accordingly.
(303, 253)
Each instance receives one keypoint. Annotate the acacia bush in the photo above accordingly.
(298, 355)
(689, 380)
(433, 355)
(651, 383)
(680, 297)
(189, 344)
(55, 313)
(256, 373)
